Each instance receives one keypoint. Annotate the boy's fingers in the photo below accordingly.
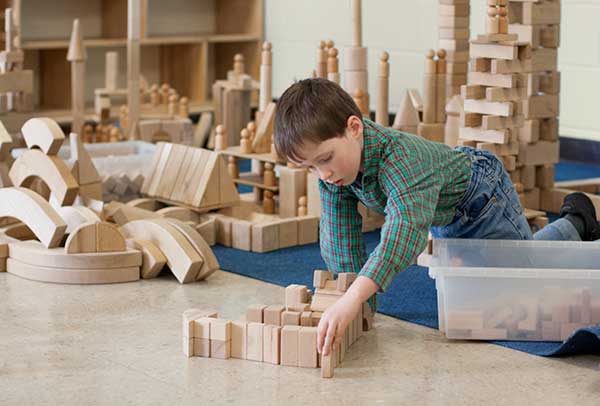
(329, 339)
(321, 331)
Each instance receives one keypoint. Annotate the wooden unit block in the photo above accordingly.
(289, 345)
(505, 109)
(464, 320)
(290, 318)
(479, 134)
(307, 347)
(188, 346)
(540, 153)
(288, 233)
(201, 347)
(542, 106)
(470, 119)
(295, 294)
(255, 342)
(445, 21)
(493, 51)
(454, 33)
(472, 92)
(239, 337)
(265, 237)
(529, 132)
(306, 319)
(498, 94)
(327, 365)
(457, 56)
(344, 280)
(220, 349)
(431, 132)
(320, 278)
(220, 329)
(241, 234)
(549, 82)
(528, 176)
(497, 123)
(456, 80)
(460, 68)
(43, 133)
(312, 195)
(272, 315)
(541, 13)
(292, 185)
(308, 230)
(490, 79)
(224, 233)
(271, 344)
(255, 313)
(549, 129)
(321, 302)
(454, 10)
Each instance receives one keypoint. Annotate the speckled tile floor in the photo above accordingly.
(120, 344)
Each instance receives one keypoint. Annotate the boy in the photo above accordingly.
(419, 185)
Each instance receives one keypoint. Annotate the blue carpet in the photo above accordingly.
(412, 294)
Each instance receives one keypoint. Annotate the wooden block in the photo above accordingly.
(272, 315)
(315, 317)
(43, 133)
(479, 134)
(153, 259)
(220, 349)
(540, 153)
(497, 123)
(493, 108)
(295, 294)
(255, 340)
(530, 132)
(220, 329)
(453, 22)
(541, 13)
(254, 313)
(490, 79)
(528, 176)
(288, 233)
(454, 10)
(289, 345)
(457, 56)
(271, 344)
(292, 185)
(306, 319)
(290, 318)
(454, 33)
(549, 129)
(431, 132)
(188, 346)
(224, 233)
(265, 237)
(201, 347)
(298, 307)
(542, 106)
(321, 302)
(239, 337)
(308, 230)
(241, 234)
(344, 280)
(472, 92)
(493, 51)
(327, 365)
(464, 320)
(307, 347)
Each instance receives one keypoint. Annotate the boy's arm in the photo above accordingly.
(342, 245)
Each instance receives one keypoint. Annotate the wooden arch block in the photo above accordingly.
(95, 237)
(43, 133)
(183, 260)
(37, 214)
(153, 260)
(52, 170)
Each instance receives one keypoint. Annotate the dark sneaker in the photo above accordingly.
(579, 204)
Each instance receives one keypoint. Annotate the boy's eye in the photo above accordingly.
(327, 159)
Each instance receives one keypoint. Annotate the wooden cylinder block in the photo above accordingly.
(355, 58)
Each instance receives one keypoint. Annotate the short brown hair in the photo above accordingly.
(311, 110)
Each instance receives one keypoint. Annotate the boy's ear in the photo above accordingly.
(355, 125)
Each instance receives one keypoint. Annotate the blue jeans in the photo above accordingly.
(490, 208)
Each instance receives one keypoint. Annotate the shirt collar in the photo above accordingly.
(371, 150)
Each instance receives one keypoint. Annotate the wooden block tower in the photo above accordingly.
(77, 56)
(538, 23)
(434, 97)
(454, 33)
(355, 61)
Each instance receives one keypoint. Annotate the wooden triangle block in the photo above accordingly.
(407, 115)
(264, 132)
(83, 168)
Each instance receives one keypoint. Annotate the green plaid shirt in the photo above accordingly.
(416, 183)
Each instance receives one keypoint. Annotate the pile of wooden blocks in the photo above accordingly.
(454, 23)
(277, 334)
(123, 188)
(552, 316)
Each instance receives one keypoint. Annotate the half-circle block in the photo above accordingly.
(81, 276)
(211, 264)
(52, 170)
(182, 258)
(95, 237)
(31, 209)
(43, 133)
(76, 215)
(153, 260)
(35, 254)
(180, 213)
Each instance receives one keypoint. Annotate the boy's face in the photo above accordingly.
(336, 160)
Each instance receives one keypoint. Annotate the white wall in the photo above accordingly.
(408, 28)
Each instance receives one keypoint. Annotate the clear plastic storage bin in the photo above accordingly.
(516, 290)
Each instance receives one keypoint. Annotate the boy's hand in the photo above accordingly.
(334, 322)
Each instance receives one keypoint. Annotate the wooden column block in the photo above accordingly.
(272, 315)
(271, 344)
(289, 345)
(307, 347)
(306, 319)
(292, 185)
(239, 337)
(255, 342)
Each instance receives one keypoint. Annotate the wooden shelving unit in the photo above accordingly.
(186, 43)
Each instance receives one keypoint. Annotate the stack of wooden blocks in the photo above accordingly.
(538, 23)
(277, 334)
(434, 97)
(454, 38)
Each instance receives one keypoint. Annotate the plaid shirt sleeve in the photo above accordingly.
(411, 202)
(342, 245)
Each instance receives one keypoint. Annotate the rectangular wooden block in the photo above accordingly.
(464, 320)
(271, 344)
(454, 10)
(254, 342)
(307, 347)
(202, 328)
(490, 79)
(188, 346)
(432, 132)
(493, 51)
(272, 315)
(453, 22)
(254, 313)
(327, 362)
(265, 237)
(308, 230)
(288, 233)
(541, 13)
(540, 153)
(220, 349)
(239, 337)
(493, 108)
(289, 345)
(295, 294)
(542, 106)
(292, 185)
(290, 318)
(241, 234)
(320, 278)
(315, 318)
(306, 319)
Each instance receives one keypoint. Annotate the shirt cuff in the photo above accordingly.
(379, 271)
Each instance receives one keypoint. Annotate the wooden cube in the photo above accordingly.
(254, 313)
(307, 347)
(272, 315)
(289, 318)
(220, 329)
(271, 344)
(289, 345)
(202, 328)
(220, 349)
(254, 342)
(344, 280)
(295, 294)
(321, 277)
(315, 317)
(306, 319)
(239, 336)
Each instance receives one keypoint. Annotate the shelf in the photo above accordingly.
(254, 180)
(64, 44)
(266, 157)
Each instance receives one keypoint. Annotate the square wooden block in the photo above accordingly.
(289, 318)
(272, 315)
(254, 313)
(265, 237)
(220, 329)
(220, 349)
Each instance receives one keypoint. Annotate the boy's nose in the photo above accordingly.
(324, 175)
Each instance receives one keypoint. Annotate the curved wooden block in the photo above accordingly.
(31, 209)
(145, 203)
(72, 276)
(95, 237)
(76, 215)
(153, 260)
(35, 254)
(43, 133)
(19, 231)
(180, 213)
(211, 264)
(182, 258)
(52, 170)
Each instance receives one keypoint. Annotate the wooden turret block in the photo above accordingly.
(321, 277)
(344, 280)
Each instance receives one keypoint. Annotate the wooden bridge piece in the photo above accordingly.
(43, 133)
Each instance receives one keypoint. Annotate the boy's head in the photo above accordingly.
(318, 125)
